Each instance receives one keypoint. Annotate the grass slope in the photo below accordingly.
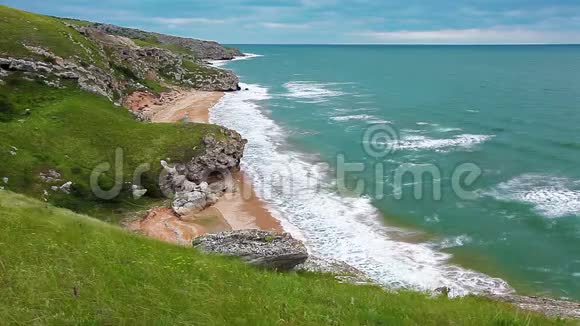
(21, 27)
(72, 132)
(57, 268)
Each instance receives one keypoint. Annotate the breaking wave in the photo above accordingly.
(550, 196)
(349, 229)
(311, 92)
(419, 142)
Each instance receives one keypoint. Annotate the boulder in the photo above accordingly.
(278, 251)
(186, 202)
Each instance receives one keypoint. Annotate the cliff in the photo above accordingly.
(62, 83)
(59, 81)
(200, 49)
(107, 60)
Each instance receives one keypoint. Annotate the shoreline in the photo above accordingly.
(242, 209)
(237, 210)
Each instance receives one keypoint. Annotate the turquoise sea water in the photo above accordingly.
(513, 111)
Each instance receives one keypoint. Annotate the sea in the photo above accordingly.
(421, 166)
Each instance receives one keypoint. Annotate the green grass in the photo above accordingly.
(74, 21)
(154, 86)
(198, 69)
(72, 132)
(48, 254)
(20, 27)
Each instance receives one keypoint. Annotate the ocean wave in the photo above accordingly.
(550, 196)
(246, 56)
(333, 226)
(452, 242)
(448, 129)
(362, 117)
(423, 123)
(419, 142)
(311, 92)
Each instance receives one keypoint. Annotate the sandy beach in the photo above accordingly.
(237, 210)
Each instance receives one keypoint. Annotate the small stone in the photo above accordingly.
(66, 187)
(138, 191)
(50, 176)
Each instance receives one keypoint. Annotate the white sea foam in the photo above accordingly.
(333, 226)
(551, 196)
(432, 219)
(362, 117)
(419, 142)
(422, 123)
(452, 242)
(353, 117)
(246, 56)
(311, 92)
(447, 129)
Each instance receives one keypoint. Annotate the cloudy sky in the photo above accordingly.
(335, 21)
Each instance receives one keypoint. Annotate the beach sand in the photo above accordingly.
(237, 210)
(191, 106)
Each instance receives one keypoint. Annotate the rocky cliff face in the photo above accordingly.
(91, 78)
(119, 66)
(201, 49)
(202, 181)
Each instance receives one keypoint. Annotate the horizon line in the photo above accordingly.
(412, 44)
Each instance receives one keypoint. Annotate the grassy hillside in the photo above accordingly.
(57, 268)
(72, 132)
(44, 129)
(21, 28)
(36, 37)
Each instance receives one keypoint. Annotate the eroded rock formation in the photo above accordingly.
(119, 66)
(202, 181)
(271, 250)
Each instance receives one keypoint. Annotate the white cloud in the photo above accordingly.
(284, 25)
(496, 35)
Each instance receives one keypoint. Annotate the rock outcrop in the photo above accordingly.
(271, 250)
(202, 181)
(54, 70)
(156, 63)
(201, 49)
(117, 66)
